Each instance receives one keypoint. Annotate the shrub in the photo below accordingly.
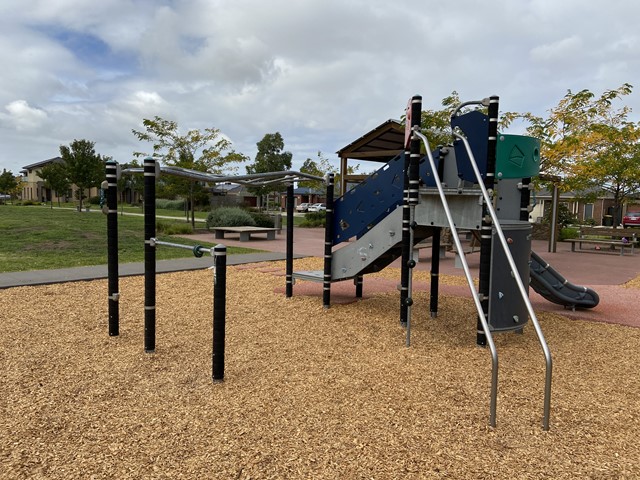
(173, 228)
(314, 219)
(566, 233)
(230, 217)
(94, 200)
(166, 204)
(262, 219)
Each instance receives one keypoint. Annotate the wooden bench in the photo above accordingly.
(611, 237)
(245, 232)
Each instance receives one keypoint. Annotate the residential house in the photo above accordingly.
(600, 210)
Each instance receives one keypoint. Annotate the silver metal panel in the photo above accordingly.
(465, 207)
(508, 199)
(356, 255)
(507, 309)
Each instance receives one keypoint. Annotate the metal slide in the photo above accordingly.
(546, 281)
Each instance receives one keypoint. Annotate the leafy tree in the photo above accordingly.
(206, 151)
(9, 184)
(436, 124)
(130, 183)
(270, 158)
(318, 168)
(56, 178)
(589, 143)
(84, 166)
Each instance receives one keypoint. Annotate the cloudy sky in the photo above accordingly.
(321, 72)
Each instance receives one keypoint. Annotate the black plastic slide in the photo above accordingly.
(557, 289)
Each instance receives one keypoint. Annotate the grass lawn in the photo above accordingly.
(40, 238)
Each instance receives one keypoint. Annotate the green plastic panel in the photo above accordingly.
(517, 156)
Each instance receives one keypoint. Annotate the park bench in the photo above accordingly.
(245, 232)
(609, 237)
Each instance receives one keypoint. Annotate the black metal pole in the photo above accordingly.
(525, 198)
(486, 227)
(289, 256)
(149, 255)
(219, 311)
(435, 250)
(328, 243)
(111, 172)
(404, 264)
(414, 194)
(358, 282)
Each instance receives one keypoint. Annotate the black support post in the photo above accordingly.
(219, 311)
(404, 265)
(149, 255)
(435, 250)
(328, 243)
(414, 111)
(486, 227)
(289, 256)
(111, 172)
(525, 198)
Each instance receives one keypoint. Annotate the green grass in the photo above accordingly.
(39, 238)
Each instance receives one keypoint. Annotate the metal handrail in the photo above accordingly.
(467, 272)
(516, 275)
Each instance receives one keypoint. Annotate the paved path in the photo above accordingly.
(605, 273)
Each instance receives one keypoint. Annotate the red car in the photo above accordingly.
(631, 219)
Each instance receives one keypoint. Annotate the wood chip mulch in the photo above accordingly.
(308, 392)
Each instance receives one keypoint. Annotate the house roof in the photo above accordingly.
(41, 164)
(308, 191)
(379, 145)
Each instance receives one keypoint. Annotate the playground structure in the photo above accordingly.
(152, 171)
(481, 182)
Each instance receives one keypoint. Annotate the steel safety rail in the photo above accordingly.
(518, 279)
(467, 273)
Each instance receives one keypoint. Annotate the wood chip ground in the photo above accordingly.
(308, 392)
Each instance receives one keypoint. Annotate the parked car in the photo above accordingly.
(303, 207)
(317, 207)
(631, 219)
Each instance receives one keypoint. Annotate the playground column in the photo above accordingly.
(111, 172)
(411, 188)
(414, 198)
(149, 255)
(435, 250)
(487, 225)
(289, 266)
(219, 311)
(525, 198)
(328, 244)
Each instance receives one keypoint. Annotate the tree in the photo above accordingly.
(85, 168)
(589, 143)
(318, 168)
(270, 158)
(8, 182)
(207, 151)
(436, 124)
(56, 178)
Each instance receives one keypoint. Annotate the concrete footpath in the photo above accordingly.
(604, 272)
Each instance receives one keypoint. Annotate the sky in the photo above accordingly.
(320, 72)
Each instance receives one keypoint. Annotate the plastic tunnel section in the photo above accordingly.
(551, 285)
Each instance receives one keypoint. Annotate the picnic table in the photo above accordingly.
(245, 232)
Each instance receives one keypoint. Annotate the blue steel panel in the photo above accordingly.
(475, 126)
(368, 202)
(365, 204)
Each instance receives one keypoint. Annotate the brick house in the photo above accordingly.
(34, 188)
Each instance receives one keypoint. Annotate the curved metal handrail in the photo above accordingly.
(516, 275)
(467, 272)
